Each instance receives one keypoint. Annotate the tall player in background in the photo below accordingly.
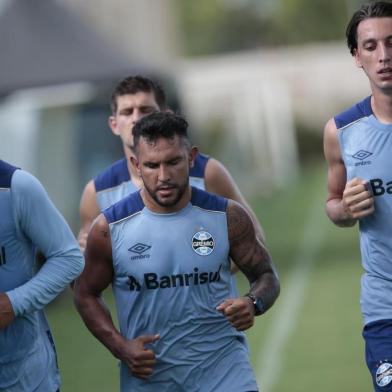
(166, 251)
(358, 150)
(133, 98)
(29, 220)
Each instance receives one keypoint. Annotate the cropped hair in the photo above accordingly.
(373, 9)
(135, 84)
(160, 125)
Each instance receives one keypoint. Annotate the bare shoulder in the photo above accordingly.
(239, 222)
(100, 229)
(89, 192)
(99, 247)
(89, 208)
(98, 271)
(330, 130)
(331, 142)
(219, 181)
(215, 168)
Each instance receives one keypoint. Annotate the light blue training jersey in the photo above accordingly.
(28, 219)
(171, 271)
(366, 147)
(115, 183)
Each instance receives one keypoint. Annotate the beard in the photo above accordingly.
(177, 192)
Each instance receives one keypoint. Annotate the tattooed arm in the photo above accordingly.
(253, 259)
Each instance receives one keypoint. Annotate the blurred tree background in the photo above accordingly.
(211, 27)
(258, 75)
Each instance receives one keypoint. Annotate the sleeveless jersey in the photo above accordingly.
(114, 183)
(170, 273)
(366, 147)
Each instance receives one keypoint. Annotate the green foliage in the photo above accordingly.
(300, 21)
(217, 26)
(209, 27)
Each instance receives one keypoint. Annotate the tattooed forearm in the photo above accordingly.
(246, 251)
(250, 255)
(256, 262)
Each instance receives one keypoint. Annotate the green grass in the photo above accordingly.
(324, 351)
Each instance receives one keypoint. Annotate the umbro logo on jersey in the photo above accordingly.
(361, 155)
(203, 243)
(139, 249)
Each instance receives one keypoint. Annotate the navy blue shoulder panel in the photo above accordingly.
(130, 205)
(199, 166)
(113, 175)
(208, 201)
(6, 172)
(359, 110)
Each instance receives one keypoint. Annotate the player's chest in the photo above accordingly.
(170, 247)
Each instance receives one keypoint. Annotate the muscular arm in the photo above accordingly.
(97, 276)
(88, 211)
(253, 259)
(347, 201)
(251, 256)
(219, 181)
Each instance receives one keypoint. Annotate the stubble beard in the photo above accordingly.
(181, 189)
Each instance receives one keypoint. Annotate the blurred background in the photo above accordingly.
(257, 80)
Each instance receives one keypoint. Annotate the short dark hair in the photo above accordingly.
(160, 124)
(373, 9)
(134, 84)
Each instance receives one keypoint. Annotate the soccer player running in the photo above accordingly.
(166, 251)
(358, 150)
(29, 220)
(133, 98)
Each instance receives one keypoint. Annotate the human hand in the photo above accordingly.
(358, 200)
(239, 311)
(139, 359)
(6, 311)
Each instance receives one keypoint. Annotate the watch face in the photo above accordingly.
(259, 305)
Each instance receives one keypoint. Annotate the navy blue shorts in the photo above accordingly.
(378, 338)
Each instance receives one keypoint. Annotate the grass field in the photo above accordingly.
(311, 339)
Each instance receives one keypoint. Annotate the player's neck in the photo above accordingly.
(382, 107)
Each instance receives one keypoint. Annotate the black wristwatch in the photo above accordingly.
(258, 303)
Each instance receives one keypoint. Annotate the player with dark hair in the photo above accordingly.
(166, 251)
(358, 150)
(29, 220)
(133, 98)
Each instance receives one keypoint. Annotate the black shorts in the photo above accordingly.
(378, 338)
